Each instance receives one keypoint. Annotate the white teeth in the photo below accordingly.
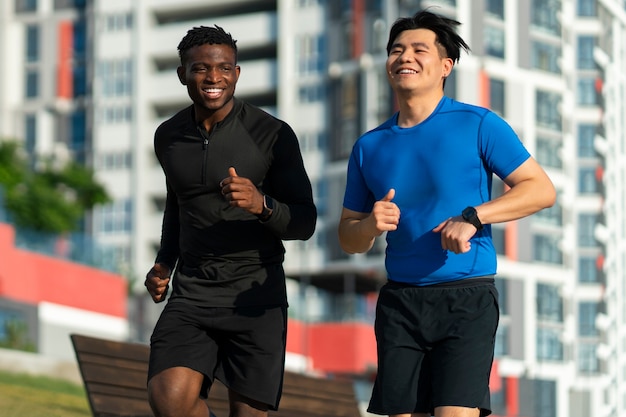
(212, 90)
(407, 71)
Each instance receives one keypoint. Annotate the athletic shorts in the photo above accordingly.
(242, 347)
(435, 346)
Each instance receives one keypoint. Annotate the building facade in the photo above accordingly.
(552, 68)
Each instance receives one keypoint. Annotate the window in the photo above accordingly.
(587, 357)
(546, 249)
(310, 93)
(548, 152)
(13, 322)
(115, 114)
(30, 133)
(585, 53)
(118, 22)
(32, 84)
(547, 110)
(495, 8)
(544, 15)
(544, 396)
(587, 313)
(586, 92)
(501, 347)
(549, 346)
(586, 137)
(344, 124)
(309, 54)
(587, 270)
(545, 57)
(112, 161)
(549, 303)
(550, 216)
(32, 43)
(587, 182)
(114, 217)
(22, 6)
(586, 226)
(497, 97)
(116, 78)
(494, 41)
(586, 8)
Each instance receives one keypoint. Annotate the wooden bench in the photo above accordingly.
(114, 375)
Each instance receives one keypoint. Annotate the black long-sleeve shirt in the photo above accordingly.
(225, 256)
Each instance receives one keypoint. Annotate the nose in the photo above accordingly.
(212, 75)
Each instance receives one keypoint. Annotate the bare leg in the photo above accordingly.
(450, 411)
(175, 392)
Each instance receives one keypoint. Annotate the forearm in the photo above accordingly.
(352, 238)
(524, 199)
(293, 221)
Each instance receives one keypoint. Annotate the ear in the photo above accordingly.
(448, 64)
(181, 75)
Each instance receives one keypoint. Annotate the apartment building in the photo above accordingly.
(552, 68)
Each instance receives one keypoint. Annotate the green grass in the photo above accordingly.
(34, 396)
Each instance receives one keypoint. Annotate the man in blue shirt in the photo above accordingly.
(424, 178)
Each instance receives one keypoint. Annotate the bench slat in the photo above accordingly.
(114, 374)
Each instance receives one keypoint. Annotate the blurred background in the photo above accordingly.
(84, 84)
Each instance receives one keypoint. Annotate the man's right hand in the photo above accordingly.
(385, 215)
(157, 282)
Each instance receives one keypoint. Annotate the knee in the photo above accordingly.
(171, 400)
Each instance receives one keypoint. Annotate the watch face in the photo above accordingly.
(468, 213)
(269, 203)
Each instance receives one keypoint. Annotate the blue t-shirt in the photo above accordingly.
(437, 168)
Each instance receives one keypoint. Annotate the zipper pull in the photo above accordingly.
(205, 143)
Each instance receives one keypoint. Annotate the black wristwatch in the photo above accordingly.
(268, 208)
(470, 216)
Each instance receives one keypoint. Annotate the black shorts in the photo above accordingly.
(242, 347)
(435, 347)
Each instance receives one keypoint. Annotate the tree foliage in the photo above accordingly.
(50, 199)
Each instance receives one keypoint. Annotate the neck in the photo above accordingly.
(416, 109)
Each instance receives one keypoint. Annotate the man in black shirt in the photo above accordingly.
(236, 188)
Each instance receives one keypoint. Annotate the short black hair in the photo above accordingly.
(201, 35)
(447, 38)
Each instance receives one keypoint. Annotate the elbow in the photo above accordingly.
(549, 198)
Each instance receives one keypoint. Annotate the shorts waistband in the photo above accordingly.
(461, 283)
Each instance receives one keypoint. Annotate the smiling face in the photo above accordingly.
(416, 64)
(210, 72)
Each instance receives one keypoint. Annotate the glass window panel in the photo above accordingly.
(32, 43)
(495, 8)
(548, 152)
(494, 42)
(547, 110)
(32, 84)
(586, 92)
(549, 346)
(545, 57)
(549, 303)
(585, 52)
(546, 249)
(587, 357)
(497, 96)
(587, 182)
(544, 15)
(586, 226)
(587, 270)
(586, 8)
(586, 137)
(587, 313)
